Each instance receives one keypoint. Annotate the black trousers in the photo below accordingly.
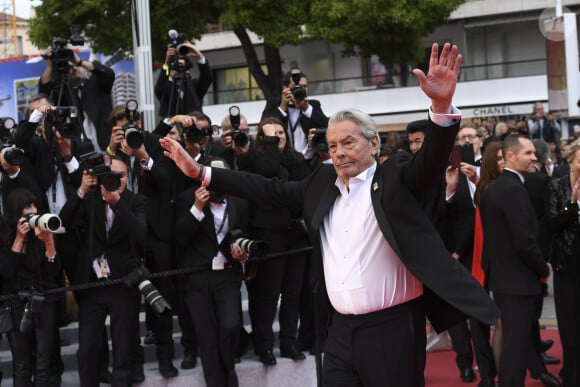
(480, 333)
(213, 300)
(32, 352)
(517, 317)
(121, 303)
(380, 349)
(567, 301)
(276, 279)
(461, 342)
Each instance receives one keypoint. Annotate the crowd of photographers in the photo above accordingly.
(88, 199)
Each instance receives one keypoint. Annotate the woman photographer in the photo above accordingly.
(274, 157)
(29, 265)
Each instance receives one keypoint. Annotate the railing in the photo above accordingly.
(346, 85)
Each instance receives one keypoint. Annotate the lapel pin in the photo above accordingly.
(375, 186)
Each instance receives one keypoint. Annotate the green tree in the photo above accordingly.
(393, 29)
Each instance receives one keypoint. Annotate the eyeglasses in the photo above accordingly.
(467, 137)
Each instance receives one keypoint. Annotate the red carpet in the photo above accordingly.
(441, 370)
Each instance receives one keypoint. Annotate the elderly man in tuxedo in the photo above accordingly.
(376, 253)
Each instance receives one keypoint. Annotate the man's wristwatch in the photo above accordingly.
(144, 163)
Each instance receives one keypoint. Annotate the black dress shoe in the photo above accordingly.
(168, 370)
(137, 374)
(105, 376)
(150, 338)
(467, 375)
(292, 353)
(549, 380)
(303, 346)
(545, 345)
(547, 359)
(188, 362)
(486, 383)
(267, 357)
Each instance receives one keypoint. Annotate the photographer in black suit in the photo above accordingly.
(204, 237)
(87, 86)
(297, 112)
(112, 226)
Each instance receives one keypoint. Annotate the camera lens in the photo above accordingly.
(134, 138)
(153, 297)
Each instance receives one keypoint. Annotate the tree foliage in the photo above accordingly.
(393, 29)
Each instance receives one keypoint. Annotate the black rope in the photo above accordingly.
(161, 274)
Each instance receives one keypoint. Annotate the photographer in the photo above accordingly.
(212, 294)
(274, 157)
(297, 112)
(86, 85)
(176, 91)
(234, 143)
(29, 260)
(112, 227)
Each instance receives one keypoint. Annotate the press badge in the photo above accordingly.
(101, 268)
(217, 263)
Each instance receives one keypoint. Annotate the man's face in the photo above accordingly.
(469, 136)
(173, 134)
(351, 152)
(120, 167)
(416, 141)
(523, 160)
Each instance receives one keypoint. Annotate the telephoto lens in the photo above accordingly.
(46, 222)
(153, 297)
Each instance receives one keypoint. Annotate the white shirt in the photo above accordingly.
(221, 227)
(362, 276)
(297, 137)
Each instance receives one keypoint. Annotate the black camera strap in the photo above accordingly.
(293, 126)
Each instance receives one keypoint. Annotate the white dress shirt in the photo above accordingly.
(362, 271)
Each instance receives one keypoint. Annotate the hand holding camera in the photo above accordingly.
(88, 181)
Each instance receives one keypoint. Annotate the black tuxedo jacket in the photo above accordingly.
(124, 242)
(317, 120)
(196, 241)
(537, 186)
(510, 228)
(399, 185)
(95, 100)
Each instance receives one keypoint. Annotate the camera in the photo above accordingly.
(133, 133)
(298, 91)
(10, 152)
(140, 277)
(238, 135)
(195, 135)
(60, 118)
(248, 246)
(61, 56)
(34, 303)
(318, 142)
(181, 62)
(99, 165)
(46, 222)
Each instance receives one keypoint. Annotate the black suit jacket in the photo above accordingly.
(510, 229)
(95, 100)
(537, 186)
(450, 291)
(196, 241)
(317, 120)
(124, 242)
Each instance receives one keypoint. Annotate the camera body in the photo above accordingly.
(195, 135)
(133, 133)
(60, 118)
(61, 56)
(140, 277)
(46, 222)
(298, 91)
(319, 143)
(180, 62)
(12, 154)
(239, 136)
(99, 165)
